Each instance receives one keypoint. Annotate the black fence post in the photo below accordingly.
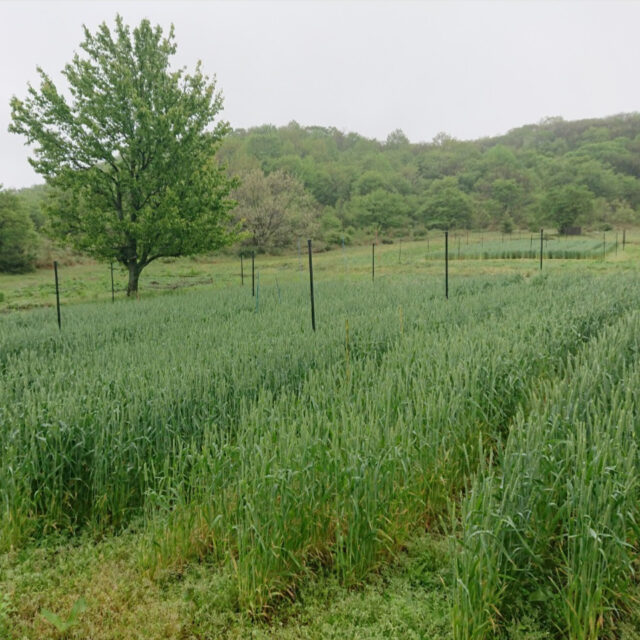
(258, 294)
(253, 273)
(113, 292)
(241, 271)
(541, 246)
(313, 308)
(624, 238)
(373, 261)
(446, 265)
(55, 271)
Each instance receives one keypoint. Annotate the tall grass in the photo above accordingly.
(240, 436)
(554, 527)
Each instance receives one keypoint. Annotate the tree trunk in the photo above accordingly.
(134, 274)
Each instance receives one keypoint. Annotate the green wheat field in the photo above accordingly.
(201, 464)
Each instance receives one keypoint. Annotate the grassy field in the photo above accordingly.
(480, 254)
(202, 465)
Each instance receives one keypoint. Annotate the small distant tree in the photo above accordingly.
(565, 205)
(508, 193)
(273, 210)
(446, 205)
(130, 155)
(18, 240)
(397, 138)
(380, 209)
(370, 181)
(506, 224)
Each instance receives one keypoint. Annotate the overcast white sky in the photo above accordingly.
(470, 68)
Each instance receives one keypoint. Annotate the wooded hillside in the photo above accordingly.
(334, 186)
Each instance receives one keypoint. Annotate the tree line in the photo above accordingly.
(299, 181)
(555, 174)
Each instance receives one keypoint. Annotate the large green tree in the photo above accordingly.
(130, 153)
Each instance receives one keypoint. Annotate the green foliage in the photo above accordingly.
(63, 625)
(33, 199)
(566, 205)
(331, 229)
(18, 241)
(506, 224)
(274, 210)
(380, 209)
(553, 526)
(370, 181)
(446, 205)
(515, 181)
(499, 183)
(507, 192)
(130, 158)
(261, 449)
(406, 599)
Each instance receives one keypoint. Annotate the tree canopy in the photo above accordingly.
(130, 154)
(274, 210)
(364, 186)
(17, 236)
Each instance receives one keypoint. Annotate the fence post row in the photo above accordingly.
(373, 247)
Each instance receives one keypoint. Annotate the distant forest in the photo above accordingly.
(342, 187)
